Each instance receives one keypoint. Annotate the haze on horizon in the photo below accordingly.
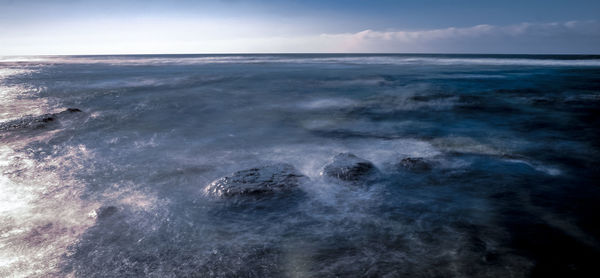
(64, 27)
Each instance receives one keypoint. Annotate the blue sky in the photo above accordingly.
(257, 26)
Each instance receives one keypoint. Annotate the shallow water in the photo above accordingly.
(511, 144)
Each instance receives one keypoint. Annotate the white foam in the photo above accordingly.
(40, 212)
(467, 145)
(15, 100)
(310, 158)
(400, 60)
(548, 170)
(326, 103)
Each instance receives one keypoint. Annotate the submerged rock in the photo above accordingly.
(256, 181)
(415, 164)
(349, 167)
(35, 122)
(106, 212)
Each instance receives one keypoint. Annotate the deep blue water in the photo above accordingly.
(511, 145)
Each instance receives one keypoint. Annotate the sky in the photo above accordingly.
(69, 27)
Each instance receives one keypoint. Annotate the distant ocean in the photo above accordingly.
(300, 166)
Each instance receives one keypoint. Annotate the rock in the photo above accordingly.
(30, 122)
(415, 164)
(67, 112)
(349, 167)
(48, 119)
(36, 122)
(106, 211)
(256, 181)
(72, 110)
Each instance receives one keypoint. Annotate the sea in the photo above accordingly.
(487, 165)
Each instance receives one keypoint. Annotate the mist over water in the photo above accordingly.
(507, 186)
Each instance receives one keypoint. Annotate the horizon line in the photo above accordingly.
(305, 53)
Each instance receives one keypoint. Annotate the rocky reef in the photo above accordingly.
(258, 181)
(348, 167)
(37, 122)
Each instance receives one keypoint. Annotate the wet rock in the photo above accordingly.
(36, 122)
(72, 110)
(48, 119)
(349, 167)
(417, 164)
(106, 212)
(28, 122)
(256, 181)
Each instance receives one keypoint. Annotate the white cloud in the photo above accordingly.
(208, 36)
(570, 37)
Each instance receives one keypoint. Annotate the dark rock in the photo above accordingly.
(72, 110)
(36, 122)
(48, 119)
(67, 112)
(256, 181)
(105, 212)
(415, 164)
(27, 122)
(349, 167)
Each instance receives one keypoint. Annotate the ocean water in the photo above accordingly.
(508, 187)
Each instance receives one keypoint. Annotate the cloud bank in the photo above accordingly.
(565, 37)
(176, 36)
